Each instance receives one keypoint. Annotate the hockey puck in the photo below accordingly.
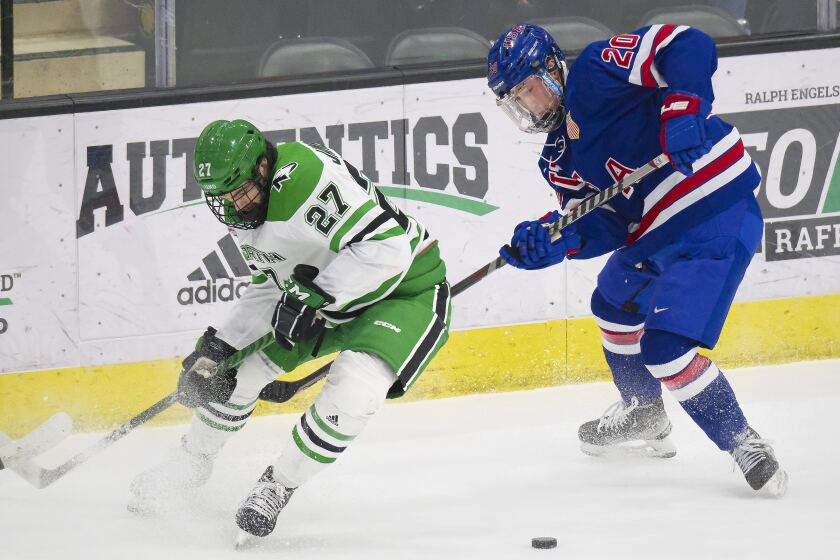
(543, 542)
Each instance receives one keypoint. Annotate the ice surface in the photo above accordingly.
(471, 477)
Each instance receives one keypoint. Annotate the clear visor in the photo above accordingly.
(535, 103)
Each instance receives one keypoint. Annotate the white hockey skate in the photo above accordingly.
(629, 429)
(757, 461)
(182, 471)
(257, 514)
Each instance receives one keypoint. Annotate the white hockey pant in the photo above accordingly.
(355, 389)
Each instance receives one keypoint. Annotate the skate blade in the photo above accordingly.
(245, 540)
(776, 487)
(658, 448)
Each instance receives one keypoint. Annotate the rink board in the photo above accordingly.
(111, 266)
(496, 359)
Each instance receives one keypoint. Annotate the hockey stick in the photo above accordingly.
(587, 205)
(44, 437)
(279, 389)
(40, 477)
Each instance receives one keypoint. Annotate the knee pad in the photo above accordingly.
(356, 386)
(355, 389)
(252, 375)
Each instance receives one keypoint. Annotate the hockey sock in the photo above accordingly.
(697, 383)
(355, 389)
(214, 423)
(620, 335)
(621, 349)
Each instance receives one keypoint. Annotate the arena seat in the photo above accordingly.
(435, 44)
(311, 55)
(713, 21)
(574, 32)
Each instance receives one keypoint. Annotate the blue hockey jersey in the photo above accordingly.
(614, 93)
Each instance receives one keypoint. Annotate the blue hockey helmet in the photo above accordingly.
(527, 71)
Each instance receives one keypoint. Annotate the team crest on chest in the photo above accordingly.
(283, 174)
(572, 128)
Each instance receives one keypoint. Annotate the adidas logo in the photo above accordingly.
(333, 419)
(220, 271)
(214, 266)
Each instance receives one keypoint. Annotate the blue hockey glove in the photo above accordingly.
(683, 135)
(532, 246)
(199, 383)
(296, 314)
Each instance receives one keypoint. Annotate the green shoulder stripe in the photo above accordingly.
(295, 176)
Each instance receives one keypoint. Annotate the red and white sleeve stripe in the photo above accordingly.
(644, 71)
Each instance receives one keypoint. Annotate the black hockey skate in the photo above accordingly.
(757, 461)
(625, 423)
(257, 514)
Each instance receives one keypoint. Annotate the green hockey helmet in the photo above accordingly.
(227, 155)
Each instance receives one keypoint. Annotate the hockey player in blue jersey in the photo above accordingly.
(681, 239)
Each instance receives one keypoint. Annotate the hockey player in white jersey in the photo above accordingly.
(336, 267)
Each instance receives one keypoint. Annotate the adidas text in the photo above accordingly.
(387, 326)
(211, 292)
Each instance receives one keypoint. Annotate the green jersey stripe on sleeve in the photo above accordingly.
(375, 295)
(375, 225)
(394, 231)
(335, 242)
(388, 286)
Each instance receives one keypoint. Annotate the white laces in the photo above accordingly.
(268, 498)
(617, 414)
(750, 452)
